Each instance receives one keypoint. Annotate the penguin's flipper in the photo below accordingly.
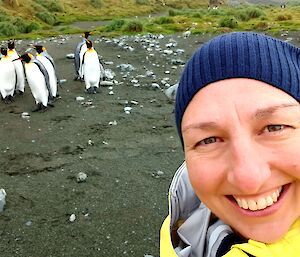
(102, 71)
(51, 60)
(77, 56)
(81, 73)
(46, 76)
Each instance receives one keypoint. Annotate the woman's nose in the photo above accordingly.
(248, 166)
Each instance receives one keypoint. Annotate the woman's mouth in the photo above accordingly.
(260, 203)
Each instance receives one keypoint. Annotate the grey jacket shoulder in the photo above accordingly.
(199, 236)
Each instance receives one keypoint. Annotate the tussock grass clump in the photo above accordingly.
(96, 3)
(14, 26)
(142, 2)
(115, 25)
(198, 15)
(4, 17)
(283, 17)
(163, 20)
(32, 26)
(173, 12)
(216, 12)
(46, 17)
(249, 13)
(262, 25)
(188, 13)
(23, 26)
(229, 22)
(133, 26)
(51, 5)
(8, 29)
(20, 24)
(254, 13)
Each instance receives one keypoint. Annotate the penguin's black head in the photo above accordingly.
(86, 34)
(11, 45)
(26, 57)
(3, 51)
(39, 48)
(89, 44)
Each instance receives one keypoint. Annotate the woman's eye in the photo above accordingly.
(209, 140)
(273, 128)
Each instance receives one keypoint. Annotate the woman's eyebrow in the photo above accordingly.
(268, 111)
(201, 125)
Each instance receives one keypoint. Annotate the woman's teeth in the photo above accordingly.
(260, 203)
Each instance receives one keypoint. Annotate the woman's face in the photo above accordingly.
(242, 149)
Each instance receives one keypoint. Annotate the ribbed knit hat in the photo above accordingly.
(239, 55)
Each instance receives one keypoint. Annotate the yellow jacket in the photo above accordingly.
(288, 246)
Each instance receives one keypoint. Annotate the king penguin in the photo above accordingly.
(81, 48)
(7, 77)
(20, 85)
(38, 81)
(92, 69)
(48, 63)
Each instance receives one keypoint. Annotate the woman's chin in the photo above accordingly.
(265, 235)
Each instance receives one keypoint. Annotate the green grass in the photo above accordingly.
(42, 16)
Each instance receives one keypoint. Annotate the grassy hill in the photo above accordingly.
(31, 18)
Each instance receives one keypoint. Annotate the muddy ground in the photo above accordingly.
(129, 158)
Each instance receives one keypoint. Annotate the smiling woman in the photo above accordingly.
(238, 118)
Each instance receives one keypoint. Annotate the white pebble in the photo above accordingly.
(81, 177)
(72, 218)
(79, 98)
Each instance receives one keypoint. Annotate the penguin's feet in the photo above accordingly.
(40, 108)
(44, 108)
(19, 93)
(11, 98)
(8, 99)
(91, 90)
(78, 78)
(55, 98)
(96, 90)
(50, 104)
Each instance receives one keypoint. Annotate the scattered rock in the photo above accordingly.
(106, 83)
(79, 98)
(70, 56)
(113, 123)
(25, 115)
(81, 177)
(127, 109)
(2, 199)
(171, 91)
(126, 67)
(72, 217)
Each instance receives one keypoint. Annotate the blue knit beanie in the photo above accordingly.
(239, 55)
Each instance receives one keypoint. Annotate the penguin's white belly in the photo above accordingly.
(37, 83)
(20, 75)
(51, 72)
(91, 70)
(20, 85)
(7, 78)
